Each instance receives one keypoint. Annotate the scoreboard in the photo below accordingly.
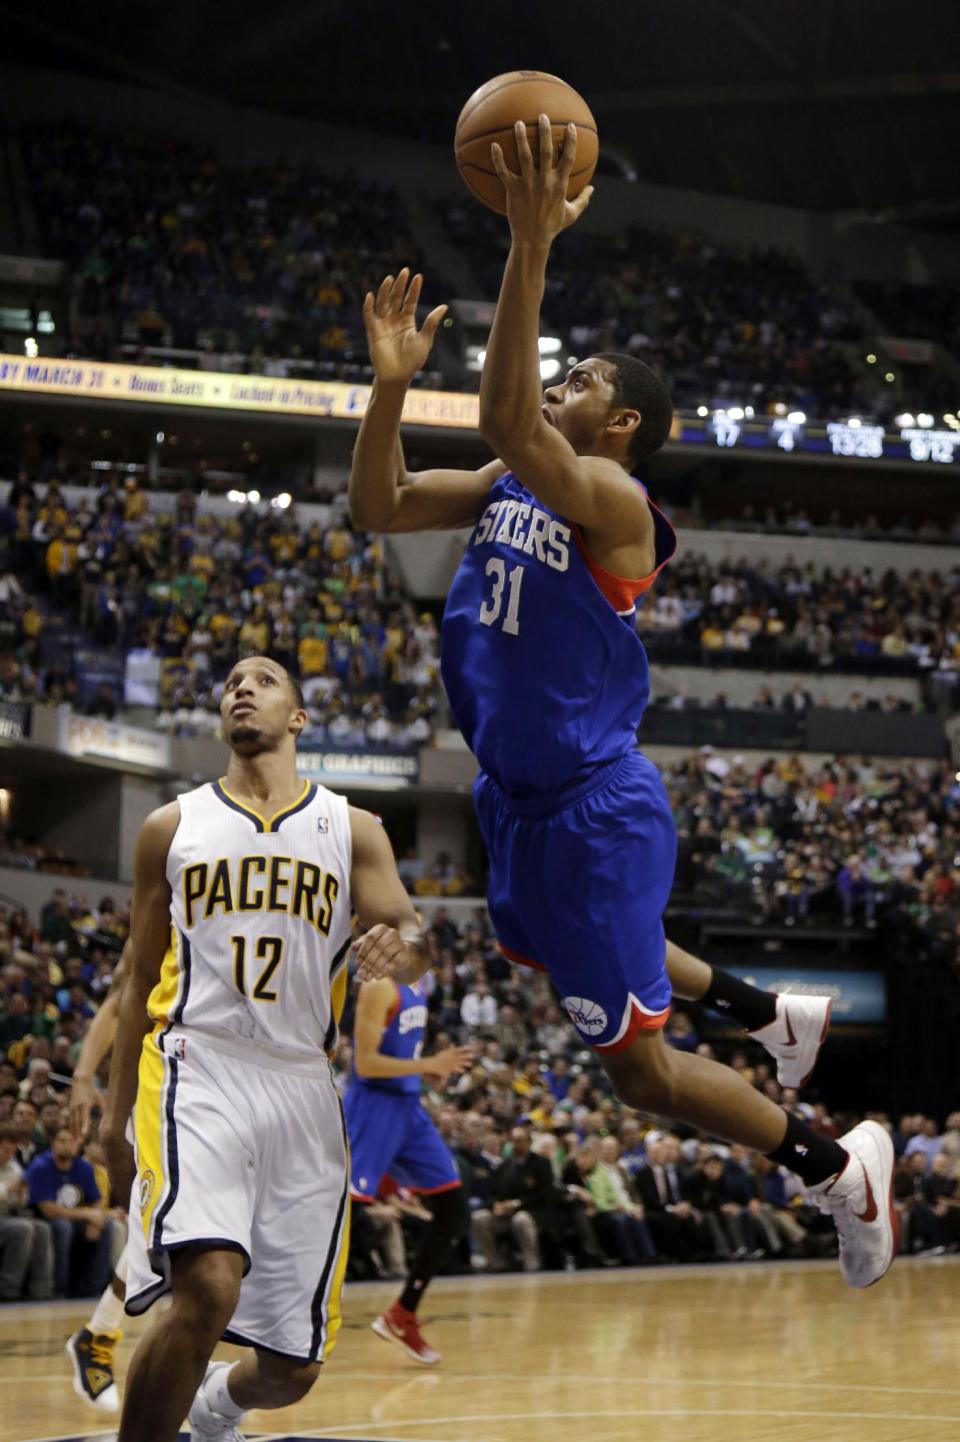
(733, 429)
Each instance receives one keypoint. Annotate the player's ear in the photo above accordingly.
(298, 719)
(624, 421)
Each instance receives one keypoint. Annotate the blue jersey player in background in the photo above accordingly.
(391, 1134)
(548, 681)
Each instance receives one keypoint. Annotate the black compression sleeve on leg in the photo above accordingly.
(449, 1217)
(747, 1004)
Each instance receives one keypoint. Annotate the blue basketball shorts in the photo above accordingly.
(578, 887)
(391, 1134)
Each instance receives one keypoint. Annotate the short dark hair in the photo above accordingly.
(296, 688)
(638, 388)
(9, 1133)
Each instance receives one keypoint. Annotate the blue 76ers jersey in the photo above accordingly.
(545, 673)
(402, 1037)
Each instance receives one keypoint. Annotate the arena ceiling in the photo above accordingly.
(831, 104)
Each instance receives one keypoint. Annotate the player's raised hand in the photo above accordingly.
(537, 204)
(397, 348)
(382, 951)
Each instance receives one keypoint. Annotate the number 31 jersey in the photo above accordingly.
(546, 675)
(260, 921)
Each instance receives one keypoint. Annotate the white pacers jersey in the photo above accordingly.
(261, 921)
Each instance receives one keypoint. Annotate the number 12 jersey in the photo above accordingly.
(260, 921)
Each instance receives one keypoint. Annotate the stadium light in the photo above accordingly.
(253, 497)
(797, 418)
(889, 378)
(282, 501)
(779, 409)
(735, 413)
(549, 344)
(237, 497)
(748, 412)
(925, 420)
(30, 347)
(871, 360)
(854, 421)
(549, 368)
(905, 420)
(702, 411)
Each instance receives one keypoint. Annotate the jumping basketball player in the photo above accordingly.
(392, 1134)
(92, 1349)
(548, 681)
(243, 898)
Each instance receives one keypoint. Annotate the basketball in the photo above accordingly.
(490, 115)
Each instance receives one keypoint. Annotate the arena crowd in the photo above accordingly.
(531, 1120)
(262, 269)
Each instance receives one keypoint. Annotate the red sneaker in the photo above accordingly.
(396, 1324)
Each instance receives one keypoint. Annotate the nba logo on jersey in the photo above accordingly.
(180, 1049)
(585, 1014)
(323, 825)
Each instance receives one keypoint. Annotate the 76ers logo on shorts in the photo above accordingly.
(586, 1015)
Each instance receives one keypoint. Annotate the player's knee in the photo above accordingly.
(206, 1288)
(450, 1211)
(285, 1381)
(643, 1076)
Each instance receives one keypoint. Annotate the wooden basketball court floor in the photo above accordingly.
(774, 1353)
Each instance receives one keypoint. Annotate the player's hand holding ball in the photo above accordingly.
(397, 349)
(537, 204)
(383, 951)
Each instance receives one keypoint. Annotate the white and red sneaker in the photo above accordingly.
(795, 1036)
(860, 1200)
(398, 1325)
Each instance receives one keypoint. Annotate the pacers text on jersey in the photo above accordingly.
(260, 883)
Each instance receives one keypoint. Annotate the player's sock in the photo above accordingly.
(747, 1004)
(107, 1315)
(448, 1218)
(216, 1394)
(812, 1156)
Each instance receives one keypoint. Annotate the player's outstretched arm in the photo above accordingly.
(95, 1047)
(393, 943)
(593, 491)
(374, 1004)
(149, 939)
(384, 495)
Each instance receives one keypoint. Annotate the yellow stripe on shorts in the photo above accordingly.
(148, 1129)
(336, 1287)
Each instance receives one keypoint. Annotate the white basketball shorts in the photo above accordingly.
(241, 1149)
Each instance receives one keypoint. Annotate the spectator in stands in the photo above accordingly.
(856, 892)
(63, 1190)
(674, 1224)
(478, 1010)
(916, 1202)
(24, 1122)
(26, 1252)
(523, 1206)
(927, 1143)
(618, 1217)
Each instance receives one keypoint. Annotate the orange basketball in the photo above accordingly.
(490, 115)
